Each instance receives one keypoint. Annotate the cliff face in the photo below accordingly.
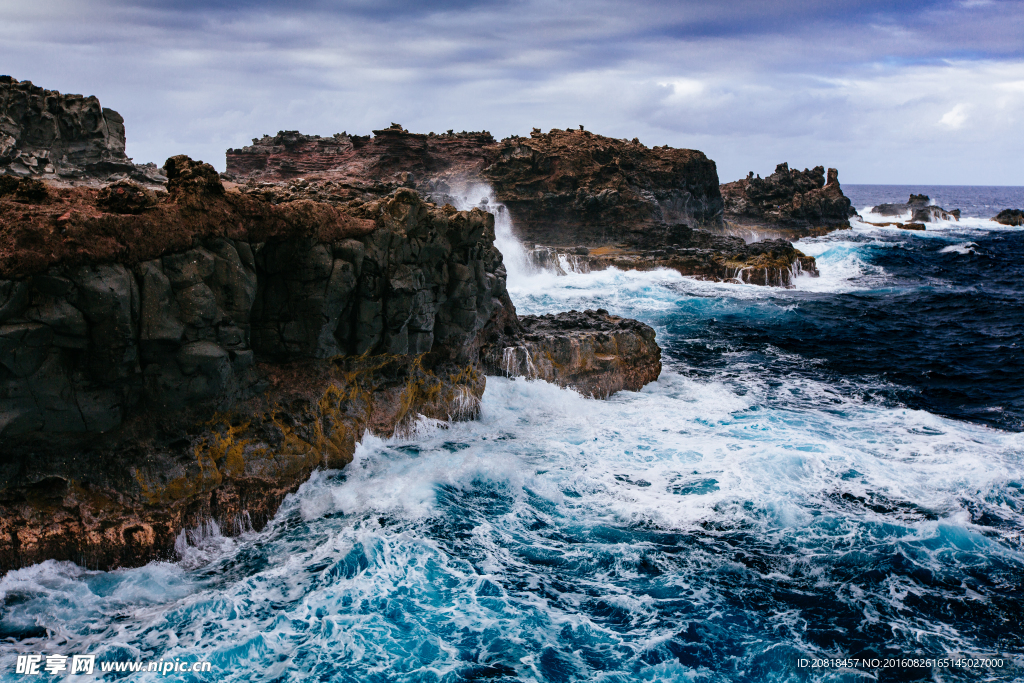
(594, 352)
(576, 188)
(198, 360)
(794, 203)
(561, 188)
(47, 134)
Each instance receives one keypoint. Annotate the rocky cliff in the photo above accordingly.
(62, 137)
(593, 352)
(564, 187)
(169, 358)
(199, 359)
(788, 203)
(622, 203)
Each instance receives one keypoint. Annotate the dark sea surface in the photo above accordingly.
(976, 201)
(830, 472)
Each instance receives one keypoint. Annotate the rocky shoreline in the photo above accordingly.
(172, 356)
(179, 347)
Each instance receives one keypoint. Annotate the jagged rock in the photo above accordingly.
(797, 202)
(204, 364)
(46, 134)
(187, 176)
(920, 210)
(697, 253)
(563, 187)
(1010, 217)
(594, 352)
(125, 196)
(573, 187)
(26, 190)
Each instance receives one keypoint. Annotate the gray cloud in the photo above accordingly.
(887, 92)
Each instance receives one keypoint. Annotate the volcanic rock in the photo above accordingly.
(919, 209)
(68, 137)
(793, 203)
(1010, 217)
(563, 187)
(198, 359)
(593, 351)
(696, 253)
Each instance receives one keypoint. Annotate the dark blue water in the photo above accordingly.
(973, 200)
(831, 471)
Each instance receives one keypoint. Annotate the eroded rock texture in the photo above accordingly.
(198, 360)
(47, 134)
(562, 187)
(695, 253)
(1010, 217)
(593, 351)
(793, 203)
(919, 209)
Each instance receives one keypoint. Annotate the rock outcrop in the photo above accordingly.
(572, 187)
(593, 351)
(634, 206)
(171, 358)
(562, 187)
(696, 253)
(919, 209)
(1010, 217)
(198, 360)
(67, 137)
(788, 203)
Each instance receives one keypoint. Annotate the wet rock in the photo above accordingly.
(797, 203)
(594, 352)
(1010, 217)
(919, 209)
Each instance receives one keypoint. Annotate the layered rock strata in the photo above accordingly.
(919, 209)
(46, 134)
(696, 253)
(788, 203)
(593, 352)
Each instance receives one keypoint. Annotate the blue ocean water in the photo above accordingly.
(828, 471)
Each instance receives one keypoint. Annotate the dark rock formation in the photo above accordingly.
(46, 134)
(697, 253)
(919, 209)
(393, 156)
(572, 187)
(175, 357)
(592, 351)
(562, 187)
(1010, 217)
(790, 202)
(199, 359)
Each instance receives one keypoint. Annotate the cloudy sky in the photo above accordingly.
(911, 92)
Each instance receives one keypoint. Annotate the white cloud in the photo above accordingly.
(955, 118)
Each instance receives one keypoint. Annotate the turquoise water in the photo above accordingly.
(781, 493)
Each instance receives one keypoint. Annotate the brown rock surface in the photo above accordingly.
(594, 352)
(563, 187)
(44, 133)
(789, 202)
(197, 359)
